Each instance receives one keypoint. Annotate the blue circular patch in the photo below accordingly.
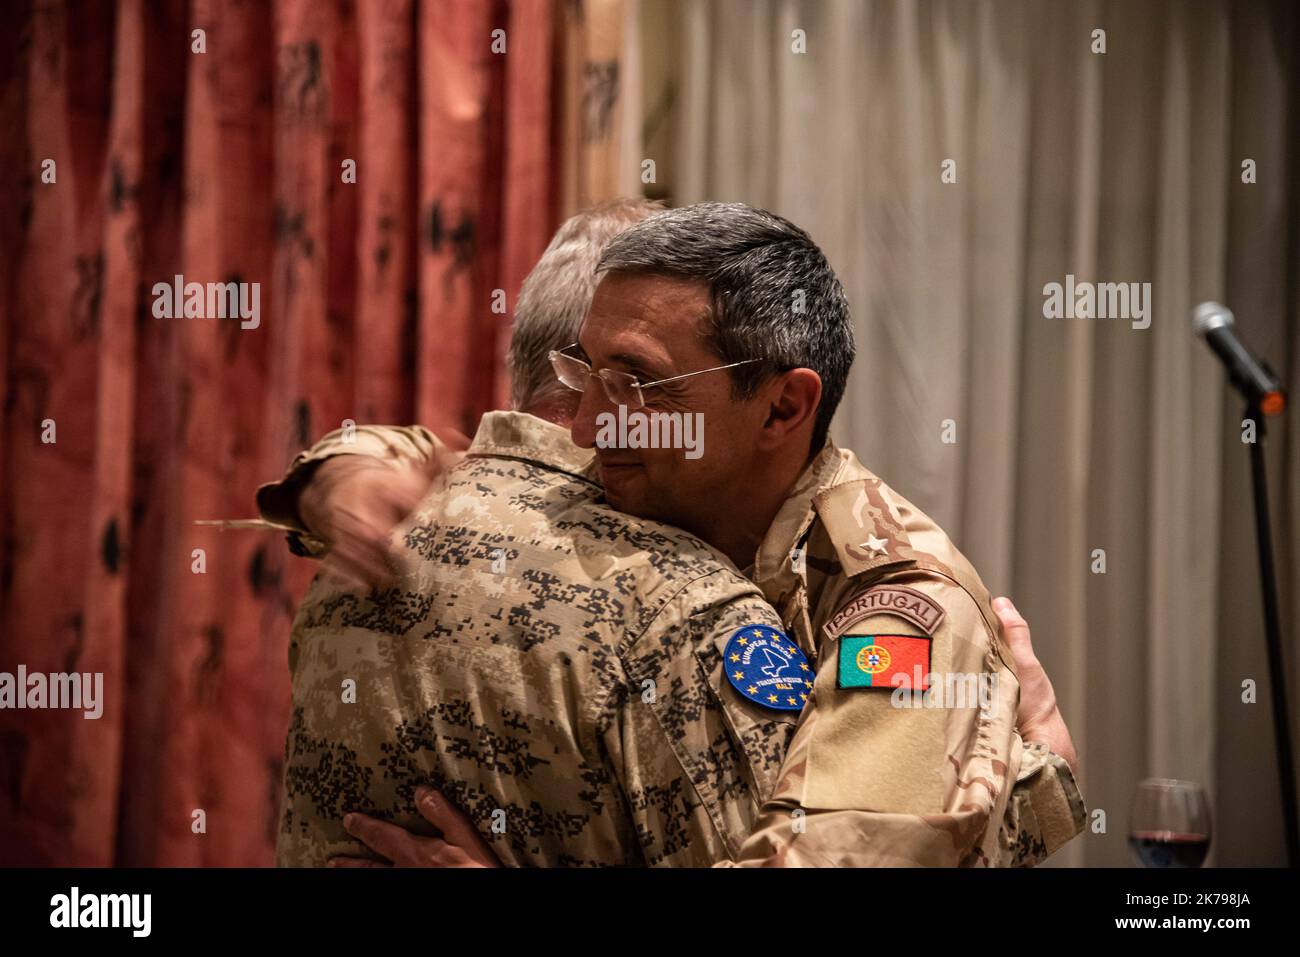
(767, 668)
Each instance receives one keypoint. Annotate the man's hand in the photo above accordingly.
(1037, 718)
(353, 503)
(461, 845)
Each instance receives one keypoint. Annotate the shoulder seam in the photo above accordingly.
(527, 456)
(669, 599)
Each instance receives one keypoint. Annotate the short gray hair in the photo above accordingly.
(557, 293)
(774, 294)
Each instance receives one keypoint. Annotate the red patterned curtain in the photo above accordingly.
(136, 148)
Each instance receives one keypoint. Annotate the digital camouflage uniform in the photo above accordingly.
(551, 665)
(862, 781)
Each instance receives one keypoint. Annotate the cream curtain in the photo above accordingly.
(1071, 435)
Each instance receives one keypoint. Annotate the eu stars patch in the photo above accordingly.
(884, 661)
(768, 668)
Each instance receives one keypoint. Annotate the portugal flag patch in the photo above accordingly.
(873, 661)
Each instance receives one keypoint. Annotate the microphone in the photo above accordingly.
(1252, 378)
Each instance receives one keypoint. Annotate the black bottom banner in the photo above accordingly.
(667, 909)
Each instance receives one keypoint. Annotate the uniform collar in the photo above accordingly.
(852, 505)
(797, 513)
(518, 435)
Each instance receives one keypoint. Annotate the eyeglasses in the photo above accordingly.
(622, 388)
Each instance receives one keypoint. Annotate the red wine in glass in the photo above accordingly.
(1170, 824)
(1167, 849)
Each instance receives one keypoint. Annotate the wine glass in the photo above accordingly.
(1169, 824)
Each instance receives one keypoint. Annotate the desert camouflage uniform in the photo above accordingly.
(864, 782)
(553, 666)
(867, 782)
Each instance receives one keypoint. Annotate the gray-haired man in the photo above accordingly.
(652, 322)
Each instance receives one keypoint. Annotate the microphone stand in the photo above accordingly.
(1273, 637)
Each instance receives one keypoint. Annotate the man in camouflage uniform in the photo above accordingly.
(914, 783)
(846, 559)
(583, 722)
(873, 592)
(552, 666)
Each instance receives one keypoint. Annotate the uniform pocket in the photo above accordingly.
(758, 735)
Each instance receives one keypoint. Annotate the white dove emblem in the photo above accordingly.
(772, 669)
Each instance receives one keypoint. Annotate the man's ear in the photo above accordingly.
(792, 398)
